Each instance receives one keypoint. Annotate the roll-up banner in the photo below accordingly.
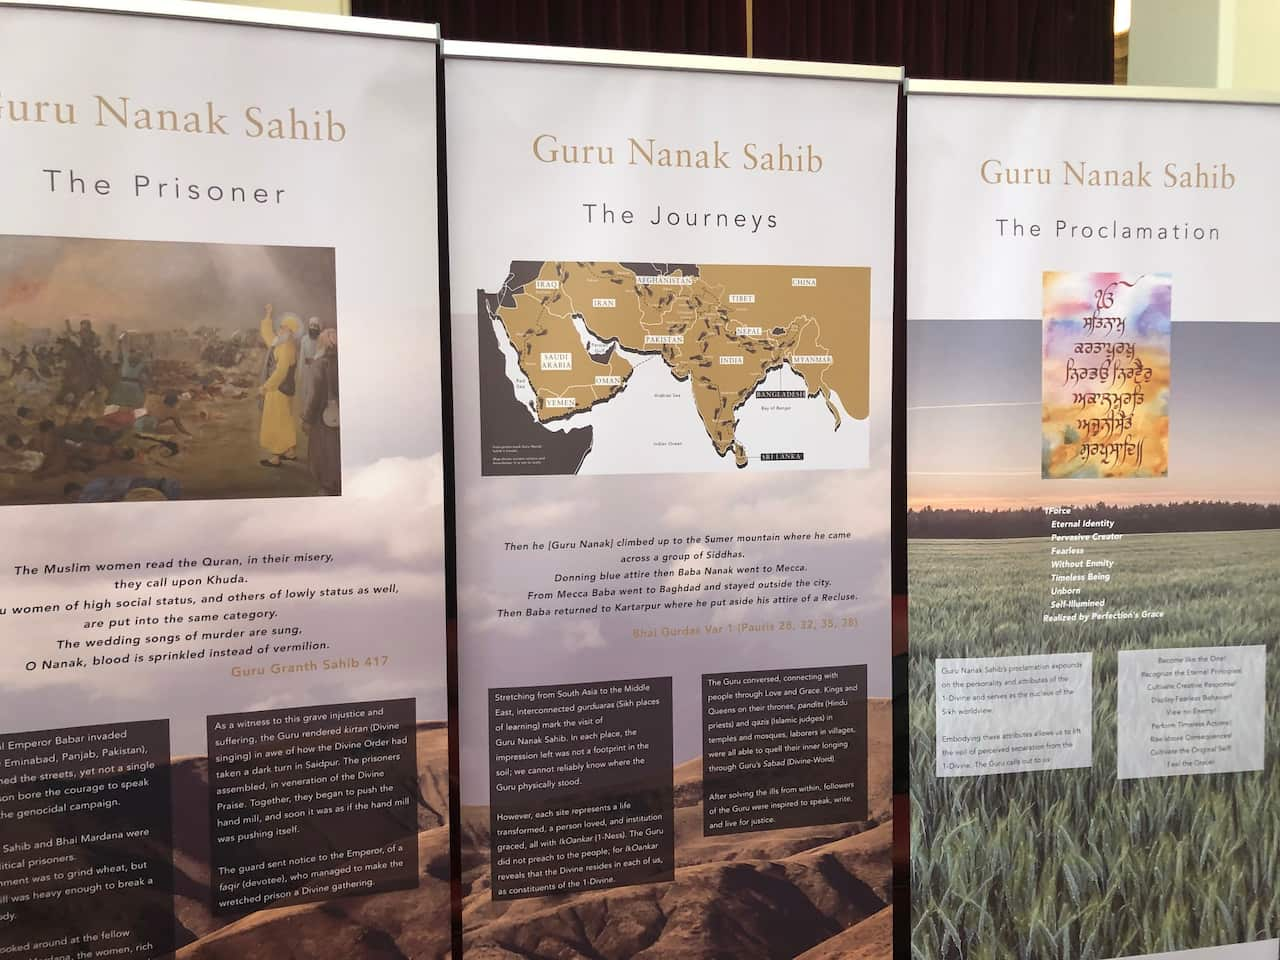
(222, 688)
(671, 305)
(1094, 497)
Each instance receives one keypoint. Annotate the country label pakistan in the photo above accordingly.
(619, 368)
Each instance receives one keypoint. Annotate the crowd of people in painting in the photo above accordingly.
(102, 413)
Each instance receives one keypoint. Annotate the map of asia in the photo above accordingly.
(621, 368)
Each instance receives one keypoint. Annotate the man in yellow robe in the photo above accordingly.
(279, 434)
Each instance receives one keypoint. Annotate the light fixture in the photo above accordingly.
(1123, 17)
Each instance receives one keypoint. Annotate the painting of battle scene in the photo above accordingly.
(141, 370)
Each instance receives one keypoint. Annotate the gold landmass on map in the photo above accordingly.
(825, 313)
(605, 295)
(565, 377)
(723, 330)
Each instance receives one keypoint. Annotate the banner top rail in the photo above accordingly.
(534, 53)
(245, 16)
(1086, 91)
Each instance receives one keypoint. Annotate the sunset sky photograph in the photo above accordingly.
(974, 418)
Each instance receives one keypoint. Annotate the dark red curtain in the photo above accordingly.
(1049, 41)
(668, 26)
(1066, 41)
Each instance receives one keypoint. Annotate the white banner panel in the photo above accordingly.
(1003, 188)
(1090, 376)
(671, 296)
(221, 580)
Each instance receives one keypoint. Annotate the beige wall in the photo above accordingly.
(1206, 43)
(1256, 45)
(1174, 43)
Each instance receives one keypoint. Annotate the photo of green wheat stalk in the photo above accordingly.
(1076, 864)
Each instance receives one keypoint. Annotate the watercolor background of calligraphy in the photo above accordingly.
(1105, 375)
